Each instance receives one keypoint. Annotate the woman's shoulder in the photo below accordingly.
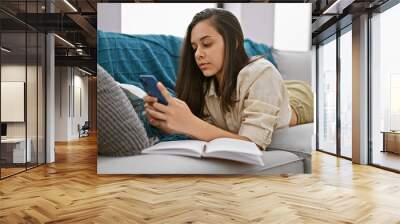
(256, 69)
(258, 62)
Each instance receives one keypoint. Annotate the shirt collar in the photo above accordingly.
(211, 90)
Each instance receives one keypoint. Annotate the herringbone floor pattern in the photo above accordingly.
(70, 191)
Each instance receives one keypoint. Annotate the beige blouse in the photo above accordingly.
(263, 104)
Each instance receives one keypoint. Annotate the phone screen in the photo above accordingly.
(150, 86)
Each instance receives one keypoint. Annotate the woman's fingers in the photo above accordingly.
(149, 106)
(157, 107)
(161, 125)
(161, 107)
(156, 114)
(149, 99)
(164, 92)
(155, 122)
(180, 101)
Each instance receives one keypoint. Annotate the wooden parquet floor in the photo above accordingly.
(70, 191)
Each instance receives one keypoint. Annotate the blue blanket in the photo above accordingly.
(125, 57)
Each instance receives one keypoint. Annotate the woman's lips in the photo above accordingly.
(203, 66)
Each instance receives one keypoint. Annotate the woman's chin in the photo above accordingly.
(208, 74)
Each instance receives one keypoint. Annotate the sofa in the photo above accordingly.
(289, 151)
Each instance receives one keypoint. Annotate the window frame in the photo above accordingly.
(334, 37)
(381, 9)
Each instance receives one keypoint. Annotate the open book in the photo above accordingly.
(222, 148)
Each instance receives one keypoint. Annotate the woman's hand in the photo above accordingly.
(176, 117)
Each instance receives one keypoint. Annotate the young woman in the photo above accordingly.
(221, 92)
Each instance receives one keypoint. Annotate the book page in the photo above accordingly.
(240, 157)
(233, 145)
(175, 147)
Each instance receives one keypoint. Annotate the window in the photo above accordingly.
(335, 74)
(394, 101)
(22, 66)
(385, 84)
(346, 94)
(327, 97)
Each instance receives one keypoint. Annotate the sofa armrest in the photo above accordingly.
(298, 140)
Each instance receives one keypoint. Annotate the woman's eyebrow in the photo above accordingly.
(202, 38)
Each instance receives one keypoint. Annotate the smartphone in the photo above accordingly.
(149, 83)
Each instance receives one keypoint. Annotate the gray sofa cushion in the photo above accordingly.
(289, 152)
(120, 132)
(294, 65)
(297, 140)
(276, 162)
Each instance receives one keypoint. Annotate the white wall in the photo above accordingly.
(33, 126)
(282, 26)
(159, 18)
(109, 17)
(145, 18)
(80, 84)
(62, 82)
(68, 82)
(235, 8)
(256, 19)
(12, 101)
(292, 27)
(15, 72)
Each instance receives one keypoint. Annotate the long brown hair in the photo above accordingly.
(192, 85)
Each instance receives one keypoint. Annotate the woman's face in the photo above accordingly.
(208, 47)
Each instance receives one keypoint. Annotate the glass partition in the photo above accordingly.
(385, 89)
(22, 67)
(327, 97)
(13, 108)
(346, 94)
(41, 109)
(31, 100)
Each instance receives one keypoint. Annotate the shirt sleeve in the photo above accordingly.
(206, 116)
(261, 107)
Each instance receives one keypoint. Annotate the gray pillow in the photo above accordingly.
(137, 102)
(120, 131)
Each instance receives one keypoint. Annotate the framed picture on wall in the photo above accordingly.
(12, 101)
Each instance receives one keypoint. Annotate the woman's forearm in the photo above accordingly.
(206, 132)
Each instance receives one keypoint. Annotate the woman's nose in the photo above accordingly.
(199, 53)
